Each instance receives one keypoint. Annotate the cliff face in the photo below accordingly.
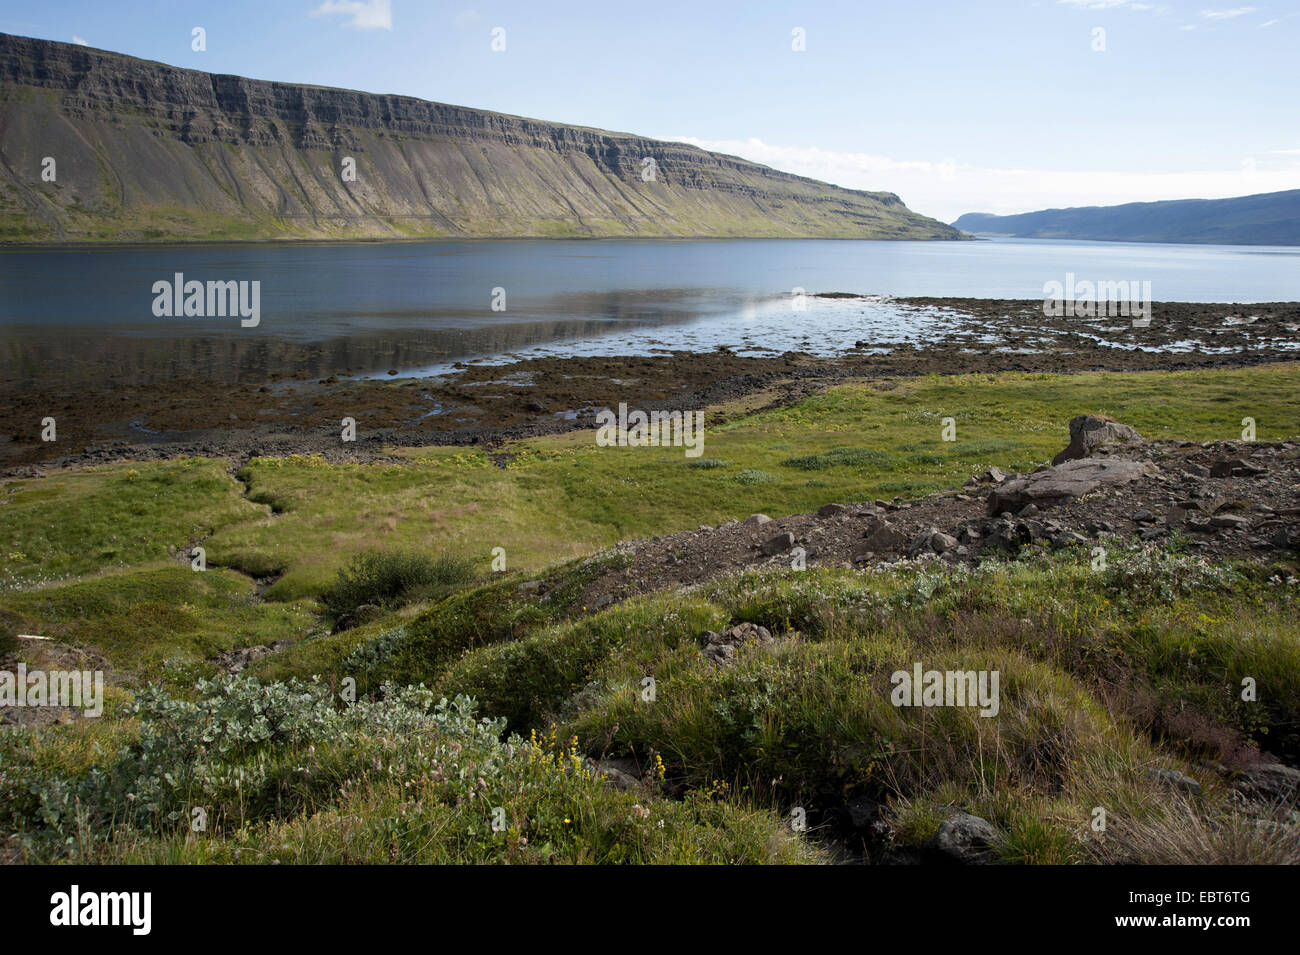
(148, 151)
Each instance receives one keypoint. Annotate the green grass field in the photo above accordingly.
(1106, 675)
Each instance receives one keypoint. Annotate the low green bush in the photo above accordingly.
(390, 578)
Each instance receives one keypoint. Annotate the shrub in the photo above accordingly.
(391, 578)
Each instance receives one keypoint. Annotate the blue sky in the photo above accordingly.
(956, 105)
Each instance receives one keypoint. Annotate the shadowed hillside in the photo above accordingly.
(1271, 218)
(149, 151)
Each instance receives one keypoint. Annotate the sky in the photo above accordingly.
(957, 106)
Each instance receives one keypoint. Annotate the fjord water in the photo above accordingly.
(362, 308)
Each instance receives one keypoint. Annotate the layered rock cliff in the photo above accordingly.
(142, 150)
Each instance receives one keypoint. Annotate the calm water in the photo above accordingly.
(367, 307)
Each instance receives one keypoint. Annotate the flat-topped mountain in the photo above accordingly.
(1270, 218)
(142, 150)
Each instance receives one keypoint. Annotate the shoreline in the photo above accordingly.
(107, 415)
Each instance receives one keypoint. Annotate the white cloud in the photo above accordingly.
(368, 15)
(1114, 5)
(1097, 4)
(79, 41)
(947, 189)
(1226, 14)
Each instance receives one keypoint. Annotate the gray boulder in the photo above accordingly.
(1088, 433)
(1174, 780)
(1064, 482)
(722, 647)
(964, 839)
(882, 536)
(931, 541)
(1270, 783)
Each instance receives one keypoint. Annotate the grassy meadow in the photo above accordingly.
(1106, 677)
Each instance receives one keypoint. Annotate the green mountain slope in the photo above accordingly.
(148, 151)
(1271, 218)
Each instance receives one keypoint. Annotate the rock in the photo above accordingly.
(1009, 535)
(1065, 481)
(758, 519)
(932, 541)
(721, 647)
(1270, 783)
(883, 536)
(994, 475)
(619, 779)
(236, 661)
(1143, 516)
(1029, 510)
(1232, 522)
(1174, 780)
(1233, 467)
(964, 839)
(831, 510)
(619, 773)
(1088, 433)
(778, 544)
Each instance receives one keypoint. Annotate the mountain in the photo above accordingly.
(1271, 218)
(142, 150)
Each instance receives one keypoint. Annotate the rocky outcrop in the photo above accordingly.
(721, 647)
(1155, 491)
(145, 150)
(1088, 433)
(1065, 481)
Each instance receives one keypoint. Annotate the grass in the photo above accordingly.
(386, 579)
(806, 723)
(1104, 674)
(563, 497)
(162, 622)
(78, 522)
